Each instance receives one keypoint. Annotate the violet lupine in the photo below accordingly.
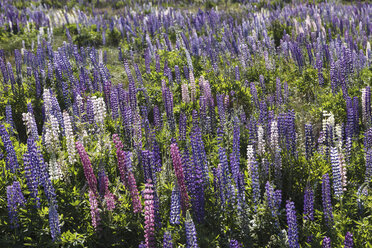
(368, 173)
(309, 204)
(272, 201)
(149, 215)
(175, 210)
(326, 198)
(104, 191)
(9, 117)
(191, 239)
(167, 240)
(11, 157)
(177, 164)
(326, 242)
(55, 229)
(15, 199)
(292, 225)
(94, 210)
(336, 172)
(183, 126)
(349, 243)
(88, 170)
(255, 182)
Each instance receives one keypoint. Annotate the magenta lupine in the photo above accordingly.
(149, 215)
(177, 164)
(88, 170)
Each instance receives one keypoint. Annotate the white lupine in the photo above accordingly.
(54, 167)
(261, 140)
(99, 109)
(29, 122)
(47, 97)
(192, 85)
(274, 136)
(250, 157)
(343, 170)
(338, 132)
(70, 141)
(52, 131)
(328, 120)
(185, 93)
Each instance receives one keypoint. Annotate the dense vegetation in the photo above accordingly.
(185, 124)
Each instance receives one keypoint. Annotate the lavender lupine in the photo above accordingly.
(326, 198)
(292, 225)
(9, 117)
(175, 210)
(11, 157)
(336, 172)
(235, 244)
(309, 204)
(167, 240)
(349, 243)
(94, 210)
(149, 215)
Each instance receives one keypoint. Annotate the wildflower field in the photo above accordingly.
(210, 123)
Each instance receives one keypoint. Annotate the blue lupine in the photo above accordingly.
(255, 182)
(292, 225)
(11, 157)
(175, 210)
(15, 199)
(235, 244)
(55, 229)
(191, 239)
(326, 198)
(9, 117)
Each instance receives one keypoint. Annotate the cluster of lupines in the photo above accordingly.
(11, 157)
(292, 225)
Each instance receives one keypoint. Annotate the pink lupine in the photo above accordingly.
(177, 164)
(94, 210)
(88, 170)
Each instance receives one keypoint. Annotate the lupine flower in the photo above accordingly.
(149, 215)
(175, 210)
(309, 204)
(191, 239)
(292, 225)
(9, 117)
(55, 229)
(309, 139)
(94, 210)
(11, 157)
(336, 172)
(235, 244)
(88, 170)
(326, 197)
(15, 200)
(349, 240)
(70, 142)
(177, 164)
(167, 240)
(326, 242)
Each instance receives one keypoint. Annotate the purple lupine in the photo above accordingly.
(191, 239)
(183, 126)
(254, 94)
(326, 197)
(278, 92)
(114, 104)
(255, 182)
(349, 243)
(292, 225)
(167, 240)
(368, 173)
(157, 118)
(88, 170)
(94, 210)
(309, 139)
(149, 215)
(11, 157)
(237, 73)
(235, 244)
(309, 204)
(175, 210)
(15, 199)
(178, 74)
(326, 242)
